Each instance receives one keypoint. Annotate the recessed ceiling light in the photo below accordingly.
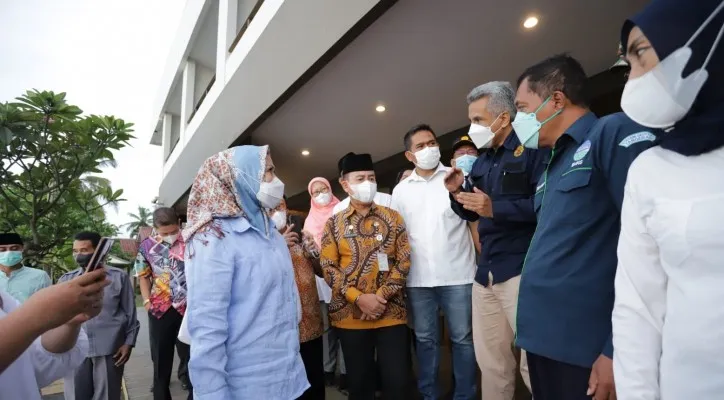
(305, 152)
(380, 108)
(530, 22)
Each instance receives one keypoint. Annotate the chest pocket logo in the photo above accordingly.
(515, 179)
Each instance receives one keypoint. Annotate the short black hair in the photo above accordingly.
(558, 73)
(93, 237)
(164, 216)
(414, 130)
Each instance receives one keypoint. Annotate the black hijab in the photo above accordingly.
(668, 24)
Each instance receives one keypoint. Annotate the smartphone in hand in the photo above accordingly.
(99, 256)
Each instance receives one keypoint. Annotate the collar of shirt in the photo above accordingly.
(351, 210)
(580, 129)
(415, 177)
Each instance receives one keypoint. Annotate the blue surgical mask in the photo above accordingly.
(465, 163)
(11, 258)
(527, 127)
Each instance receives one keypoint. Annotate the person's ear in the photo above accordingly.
(559, 100)
(504, 120)
(410, 156)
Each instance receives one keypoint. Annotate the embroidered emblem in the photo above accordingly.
(638, 137)
(518, 151)
(582, 151)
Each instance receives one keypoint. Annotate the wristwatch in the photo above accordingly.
(146, 301)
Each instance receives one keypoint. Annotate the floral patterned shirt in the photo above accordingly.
(164, 264)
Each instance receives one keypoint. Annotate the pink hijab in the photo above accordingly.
(318, 215)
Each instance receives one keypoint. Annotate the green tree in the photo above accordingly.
(49, 153)
(138, 220)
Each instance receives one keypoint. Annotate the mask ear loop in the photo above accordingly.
(701, 28)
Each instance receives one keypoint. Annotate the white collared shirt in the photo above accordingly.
(381, 199)
(668, 319)
(37, 367)
(442, 247)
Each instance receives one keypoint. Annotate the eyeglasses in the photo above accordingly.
(320, 191)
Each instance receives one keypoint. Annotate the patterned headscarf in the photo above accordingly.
(226, 187)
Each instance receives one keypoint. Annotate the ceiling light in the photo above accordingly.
(380, 108)
(530, 22)
(305, 153)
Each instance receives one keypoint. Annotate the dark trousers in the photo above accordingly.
(312, 353)
(183, 366)
(163, 335)
(391, 345)
(555, 380)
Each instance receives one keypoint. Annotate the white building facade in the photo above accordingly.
(305, 76)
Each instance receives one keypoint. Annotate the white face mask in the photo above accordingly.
(271, 193)
(482, 135)
(279, 218)
(323, 199)
(428, 158)
(170, 239)
(661, 97)
(364, 192)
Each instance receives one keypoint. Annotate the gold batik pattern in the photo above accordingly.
(311, 326)
(349, 258)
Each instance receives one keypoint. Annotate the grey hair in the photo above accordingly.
(500, 94)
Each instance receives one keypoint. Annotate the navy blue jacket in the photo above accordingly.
(566, 288)
(508, 175)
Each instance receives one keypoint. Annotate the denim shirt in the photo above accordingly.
(243, 315)
(567, 285)
(508, 175)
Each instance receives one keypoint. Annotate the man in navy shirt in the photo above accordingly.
(499, 193)
(566, 289)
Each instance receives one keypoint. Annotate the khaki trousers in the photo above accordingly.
(494, 312)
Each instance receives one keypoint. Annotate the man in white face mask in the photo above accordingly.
(365, 258)
(162, 278)
(442, 266)
(379, 198)
(498, 193)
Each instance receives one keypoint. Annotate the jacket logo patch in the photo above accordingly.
(639, 137)
(582, 151)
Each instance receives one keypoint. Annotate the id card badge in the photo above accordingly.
(382, 264)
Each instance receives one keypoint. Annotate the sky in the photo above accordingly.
(108, 56)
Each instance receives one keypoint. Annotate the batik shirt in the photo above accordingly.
(164, 264)
(311, 326)
(365, 254)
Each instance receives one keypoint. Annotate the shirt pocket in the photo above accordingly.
(515, 180)
(573, 197)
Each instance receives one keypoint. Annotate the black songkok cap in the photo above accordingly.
(352, 162)
(10, 238)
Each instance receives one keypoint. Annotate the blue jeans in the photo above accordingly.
(456, 304)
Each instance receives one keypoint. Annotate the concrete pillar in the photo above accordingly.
(225, 35)
(188, 82)
(166, 125)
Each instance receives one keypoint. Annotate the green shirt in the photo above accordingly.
(23, 282)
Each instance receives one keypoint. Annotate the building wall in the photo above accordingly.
(282, 41)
